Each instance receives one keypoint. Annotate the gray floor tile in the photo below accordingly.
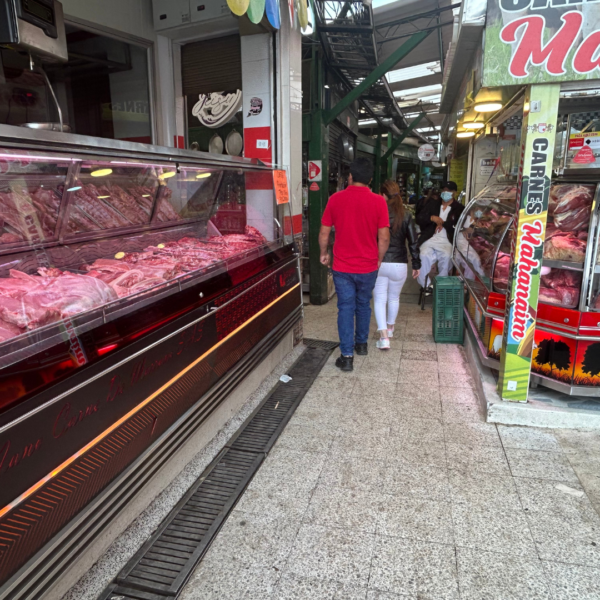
(419, 430)
(357, 423)
(459, 381)
(483, 489)
(365, 446)
(454, 368)
(483, 459)
(231, 581)
(489, 576)
(461, 413)
(369, 389)
(567, 538)
(457, 395)
(416, 569)
(573, 582)
(321, 418)
(416, 378)
(289, 467)
(547, 496)
(420, 409)
(416, 453)
(421, 354)
(333, 554)
(492, 529)
(376, 595)
(528, 438)
(333, 386)
(288, 501)
(417, 392)
(417, 518)
(417, 480)
(341, 507)
(540, 465)
(472, 434)
(409, 346)
(248, 539)
(353, 473)
(294, 587)
(423, 367)
(304, 438)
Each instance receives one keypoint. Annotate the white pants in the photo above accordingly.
(390, 279)
(436, 249)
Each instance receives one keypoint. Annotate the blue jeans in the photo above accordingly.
(354, 292)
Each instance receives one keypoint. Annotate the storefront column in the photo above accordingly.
(529, 230)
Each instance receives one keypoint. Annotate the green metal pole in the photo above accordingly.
(375, 75)
(405, 133)
(377, 175)
(318, 149)
(388, 157)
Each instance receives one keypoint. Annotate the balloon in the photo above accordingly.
(256, 10)
(303, 14)
(272, 10)
(238, 7)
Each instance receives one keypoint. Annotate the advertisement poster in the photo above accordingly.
(528, 235)
(533, 41)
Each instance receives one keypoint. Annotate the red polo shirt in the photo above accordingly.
(356, 213)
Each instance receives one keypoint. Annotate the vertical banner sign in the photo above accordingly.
(537, 41)
(528, 232)
(281, 186)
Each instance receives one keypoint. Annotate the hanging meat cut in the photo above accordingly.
(561, 287)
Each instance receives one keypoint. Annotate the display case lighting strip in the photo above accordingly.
(29, 157)
(136, 409)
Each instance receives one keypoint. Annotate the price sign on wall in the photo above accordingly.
(281, 186)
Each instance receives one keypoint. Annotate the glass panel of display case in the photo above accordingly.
(109, 196)
(569, 210)
(583, 151)
(31, 191)
(210, 219)
(483, 229)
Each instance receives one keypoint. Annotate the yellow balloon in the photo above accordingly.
(303, 14)
(238, 7)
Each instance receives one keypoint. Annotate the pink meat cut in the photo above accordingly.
(565, 246)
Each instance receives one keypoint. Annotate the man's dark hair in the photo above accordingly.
(450, 185)
(361, 170)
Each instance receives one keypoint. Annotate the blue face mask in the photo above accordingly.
(446, 196)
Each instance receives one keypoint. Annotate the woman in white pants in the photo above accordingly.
(394, 267)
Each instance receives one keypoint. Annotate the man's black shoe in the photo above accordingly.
(345, 363)
(361, 349)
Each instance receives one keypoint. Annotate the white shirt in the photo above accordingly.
(444, 212)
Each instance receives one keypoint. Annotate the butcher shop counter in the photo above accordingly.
(566, 350)
(138, 287)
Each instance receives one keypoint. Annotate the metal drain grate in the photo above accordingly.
(161, 567)
(312, 343)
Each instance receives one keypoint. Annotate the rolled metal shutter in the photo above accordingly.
(212, 65)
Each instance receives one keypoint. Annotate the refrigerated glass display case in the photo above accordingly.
(569, 286)
(138, 286)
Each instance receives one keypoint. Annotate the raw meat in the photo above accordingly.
(124, 203)
(17, 210)
(561, 287)
(30, 301)
(10, 238)
(501, 271)
(571, 196)
(565, 246)
(550, 296)
(7, 331)
(573, 220)
(86, 199)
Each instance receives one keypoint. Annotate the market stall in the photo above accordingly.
(138, 286)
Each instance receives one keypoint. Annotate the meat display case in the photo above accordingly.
(566, 350)
(137, 285)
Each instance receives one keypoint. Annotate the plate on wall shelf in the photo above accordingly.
(234, 143)
(215, 146)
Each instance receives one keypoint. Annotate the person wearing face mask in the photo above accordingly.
(437, 220)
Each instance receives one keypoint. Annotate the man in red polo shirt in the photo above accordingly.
(362, 237)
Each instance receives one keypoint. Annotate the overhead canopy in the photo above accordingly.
(416, 81)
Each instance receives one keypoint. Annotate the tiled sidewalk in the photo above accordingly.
(388, 484)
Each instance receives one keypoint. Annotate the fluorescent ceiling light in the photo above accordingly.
(367, 122)
(424, 90)
(428, 68)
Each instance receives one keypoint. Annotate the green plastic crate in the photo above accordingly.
(448, 302)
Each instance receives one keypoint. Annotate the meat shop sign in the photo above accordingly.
(530, 238)
(549, 41)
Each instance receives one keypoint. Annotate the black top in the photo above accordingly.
(428, 227)
(397, 251)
